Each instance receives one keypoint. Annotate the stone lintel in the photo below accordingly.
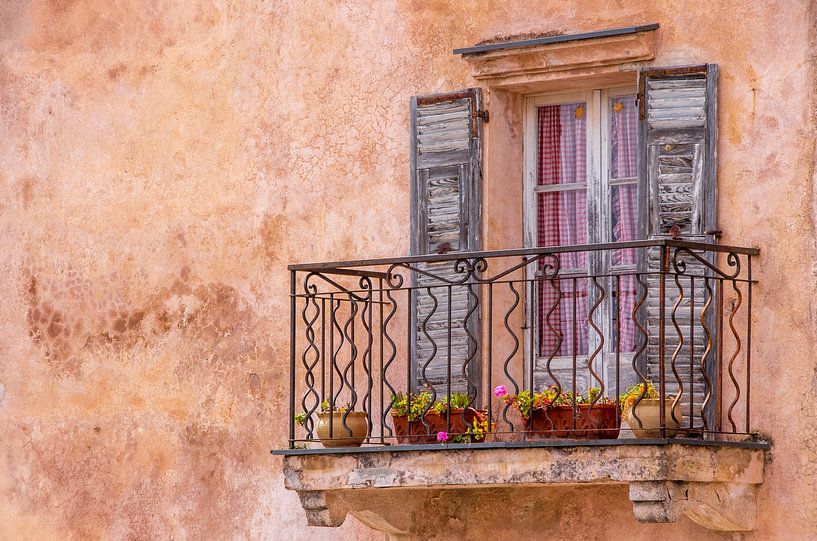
(712, 485)
(529, 68)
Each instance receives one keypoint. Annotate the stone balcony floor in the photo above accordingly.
(712, 483)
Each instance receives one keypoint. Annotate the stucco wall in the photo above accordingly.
(161, 163)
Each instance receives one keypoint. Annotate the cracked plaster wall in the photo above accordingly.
(162, 162)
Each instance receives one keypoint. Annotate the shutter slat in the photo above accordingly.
(676, 82)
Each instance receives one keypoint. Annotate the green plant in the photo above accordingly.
(594, 396)
(456, 400)
(628, 398)
(401, 403)
(300, 418)
(526, 401)
(326, 407)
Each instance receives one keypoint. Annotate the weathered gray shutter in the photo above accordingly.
(445, 217)
(678, 198)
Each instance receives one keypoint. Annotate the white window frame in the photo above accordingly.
(598, 185)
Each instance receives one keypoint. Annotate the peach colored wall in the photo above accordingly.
(162, 162)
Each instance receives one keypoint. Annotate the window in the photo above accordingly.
(590, 177)
(581, 187)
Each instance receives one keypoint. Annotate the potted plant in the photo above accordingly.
(407, 410)
(460, 423)
(644, 416)
(347, 428)
(417, 419)
(550, 414)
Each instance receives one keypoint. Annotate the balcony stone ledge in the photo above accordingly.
(712, 483)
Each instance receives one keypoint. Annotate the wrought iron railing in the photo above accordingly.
(568, 342)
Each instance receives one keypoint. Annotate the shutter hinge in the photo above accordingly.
(483, 114)
(639, 100)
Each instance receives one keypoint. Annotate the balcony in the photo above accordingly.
(605, 364)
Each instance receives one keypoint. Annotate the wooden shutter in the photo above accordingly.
(445, 217)
(677, 189)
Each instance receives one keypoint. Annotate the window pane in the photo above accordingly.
(623, 137)
(562, 144)
(562, 220)
(623, 302)
(562, 159)
(623, 214)
(559, 300)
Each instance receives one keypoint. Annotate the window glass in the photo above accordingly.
(623, 137)
(562, 159)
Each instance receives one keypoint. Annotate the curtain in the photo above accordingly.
(623, 164)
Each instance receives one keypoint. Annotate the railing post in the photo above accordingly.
(662, 292)
(748, 341)
(292, 312)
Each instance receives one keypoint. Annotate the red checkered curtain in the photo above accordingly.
(562, 220)
(623, 165)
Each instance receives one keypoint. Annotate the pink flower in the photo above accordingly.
(500, 391)
(442, 436)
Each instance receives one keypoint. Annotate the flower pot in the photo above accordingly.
(592, 422)
(416, 432)
(350, 435)
(649, 415)
(412, 431)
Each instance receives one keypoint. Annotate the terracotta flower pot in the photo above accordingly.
(649, 413)
(356, 421)
(412, 431)
(592, 423)
(416, 432)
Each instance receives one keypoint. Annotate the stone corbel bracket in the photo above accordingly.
(712, 484)
(726, 507)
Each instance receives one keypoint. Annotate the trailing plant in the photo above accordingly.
(480, 429)
(475, 433)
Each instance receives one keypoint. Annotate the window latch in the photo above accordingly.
(482, 114)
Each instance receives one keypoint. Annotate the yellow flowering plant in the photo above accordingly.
(628, 398)
(418, 404)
